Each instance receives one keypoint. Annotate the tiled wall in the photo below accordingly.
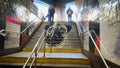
(110, 30)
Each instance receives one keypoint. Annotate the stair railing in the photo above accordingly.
(52, 34)
(103, 59)
(2, 32)
(35, 51)
(100, 43)
(23, 2)
(84, 32)
(82, 28)
(97, 48)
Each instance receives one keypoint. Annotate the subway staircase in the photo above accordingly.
(67, 54)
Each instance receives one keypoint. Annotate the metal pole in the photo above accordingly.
(51, 48)
(35, 63)
(44, 43)
(51, 45)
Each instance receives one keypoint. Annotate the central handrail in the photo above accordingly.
(36, 54)
(52, 33)
(53, 29)
(34, 49)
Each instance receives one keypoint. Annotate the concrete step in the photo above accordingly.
(19, 65)
(65, 41)
(71, 39)
(55, 50)
(62, 45)
(51, 58)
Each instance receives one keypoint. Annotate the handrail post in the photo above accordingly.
(51, 45)
(35, 52)
(35, 62)
(82, 40)
(44, 43)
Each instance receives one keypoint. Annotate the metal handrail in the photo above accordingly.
(96, 45)
(21, 31)
(1, 32)
(31, 23)
(36, 53)
(100, 42)
(82, 28)
(27, 26)
(53, 29)
(34, 49)
(52, 33)
(97, 38)
(98, 49)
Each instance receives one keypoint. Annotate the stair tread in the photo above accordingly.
(49, 65)
(49, 55)
(71, 39)
(55, 50)
(67, 65)
(51, 58)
